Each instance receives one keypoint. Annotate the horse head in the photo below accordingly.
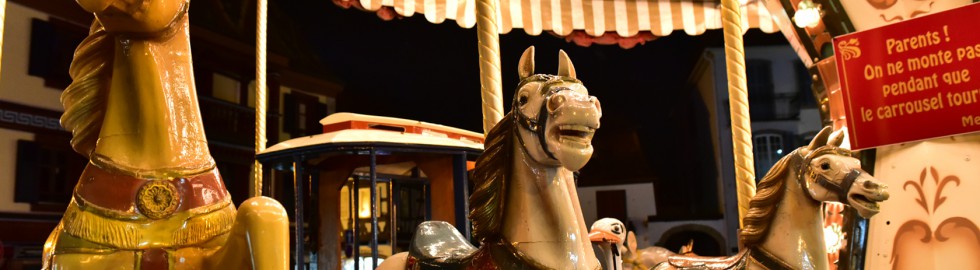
(557, 115)
(829, 173)
(137, 18)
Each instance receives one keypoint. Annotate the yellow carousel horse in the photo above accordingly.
(151, 196)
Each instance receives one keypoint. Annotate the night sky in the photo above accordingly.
(410, 68)
(415, 69)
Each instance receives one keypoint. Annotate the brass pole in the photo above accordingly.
(738, 100)
(260, 91)
(489, 43)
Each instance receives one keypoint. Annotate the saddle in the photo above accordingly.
(438, 245)
(736, 261)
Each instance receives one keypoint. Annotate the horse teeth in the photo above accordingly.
(576, 128)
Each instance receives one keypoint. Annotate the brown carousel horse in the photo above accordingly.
(525, 209)
(783, 229)
(151, 196)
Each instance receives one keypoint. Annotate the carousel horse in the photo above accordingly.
(151, 196)
(653, 255)
(525, 209)
(783, 228)
(618, 247)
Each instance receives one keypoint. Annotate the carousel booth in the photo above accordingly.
(361, 188)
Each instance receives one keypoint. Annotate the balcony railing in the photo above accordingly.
(227, 122)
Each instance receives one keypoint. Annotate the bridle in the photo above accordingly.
(838, 188)
(537, 125)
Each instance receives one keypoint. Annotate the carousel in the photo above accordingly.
(387, 193)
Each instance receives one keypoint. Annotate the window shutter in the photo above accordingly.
(289, 113)
(317, 111)
(28, 165)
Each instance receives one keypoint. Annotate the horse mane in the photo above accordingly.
(762, 207)
(86, 97)
(493, 168)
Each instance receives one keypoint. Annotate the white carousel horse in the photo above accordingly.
(151, 196)
(783, 229)
(525, 209)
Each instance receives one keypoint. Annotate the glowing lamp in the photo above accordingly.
(364, 206)
(807, 14)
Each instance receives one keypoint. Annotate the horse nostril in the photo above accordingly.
(555, 102)
(870, 185)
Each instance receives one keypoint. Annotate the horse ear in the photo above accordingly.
(525, 68)
(836, 138)
(631, 242)
(820, 139)
(565, 67)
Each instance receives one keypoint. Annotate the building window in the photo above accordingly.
(805, 83)
(302, 114)
(226, 88)
(47, 171)
(52, 46)
(768, 149)
(758, 74)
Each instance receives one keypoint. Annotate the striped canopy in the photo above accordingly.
(596, 17)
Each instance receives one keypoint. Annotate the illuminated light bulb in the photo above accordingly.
(807, 14)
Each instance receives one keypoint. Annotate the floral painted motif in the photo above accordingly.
(914, 243)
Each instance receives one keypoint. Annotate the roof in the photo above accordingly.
(379, 131)
(596, 17)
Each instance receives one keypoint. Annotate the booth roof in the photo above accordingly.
(380, 136)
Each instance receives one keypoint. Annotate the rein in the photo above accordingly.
(537, 125)
(803, 172)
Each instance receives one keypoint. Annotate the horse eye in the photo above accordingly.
(522, 100)
(825, 166)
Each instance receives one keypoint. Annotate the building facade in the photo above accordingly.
(38, 168)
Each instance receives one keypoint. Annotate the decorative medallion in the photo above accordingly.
(157, 199)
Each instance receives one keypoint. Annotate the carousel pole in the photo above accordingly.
(260, 91)
(3, 16)
(488, 41)
(731, 16)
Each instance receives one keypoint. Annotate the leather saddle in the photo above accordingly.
(736, 261)
(438, 245)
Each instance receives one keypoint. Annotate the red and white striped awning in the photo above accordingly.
(596, 17)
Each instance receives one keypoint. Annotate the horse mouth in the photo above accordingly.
(864, 202)
(575, 134)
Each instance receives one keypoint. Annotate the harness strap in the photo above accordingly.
(767, 260)
(841, 189)
(537, 125)
(803, 172)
